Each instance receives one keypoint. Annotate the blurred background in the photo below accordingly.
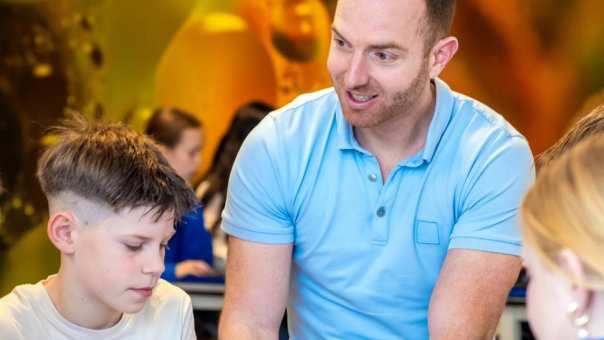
(540, 63)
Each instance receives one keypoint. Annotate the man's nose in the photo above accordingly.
(357, 72)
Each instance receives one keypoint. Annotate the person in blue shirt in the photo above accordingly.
(383, 208)
(189, 255)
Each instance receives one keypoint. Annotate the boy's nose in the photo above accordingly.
(154, 264)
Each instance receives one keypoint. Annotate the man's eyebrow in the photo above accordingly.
(388, 46)
(335, 31)
(381, 46)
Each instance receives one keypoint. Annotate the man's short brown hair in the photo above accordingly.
(439, 18)
(113, 165)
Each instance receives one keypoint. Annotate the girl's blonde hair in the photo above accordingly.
(565, 209)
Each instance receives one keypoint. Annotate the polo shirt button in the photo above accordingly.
(372, 177)
(381, 212)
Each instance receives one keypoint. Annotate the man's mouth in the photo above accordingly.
(360, 98)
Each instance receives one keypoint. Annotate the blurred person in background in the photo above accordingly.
(590, 121)
(212, 189)
(189, 256)
(563, 228)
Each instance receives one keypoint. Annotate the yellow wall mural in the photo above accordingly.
(535, 61)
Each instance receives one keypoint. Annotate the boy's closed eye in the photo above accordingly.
(134, 247)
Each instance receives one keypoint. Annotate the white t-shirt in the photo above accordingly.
(28, 313)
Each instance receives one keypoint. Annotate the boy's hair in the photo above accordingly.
(166, 125)
(113, 165)
(590, 124)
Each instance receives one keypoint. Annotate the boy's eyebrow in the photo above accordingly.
(146, 238)
(141, 237)
(381, 46)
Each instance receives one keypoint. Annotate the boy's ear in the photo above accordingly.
(60, 229)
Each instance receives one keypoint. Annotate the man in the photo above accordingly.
(383, 209)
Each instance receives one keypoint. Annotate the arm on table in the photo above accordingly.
(470, 294)
(257, 283)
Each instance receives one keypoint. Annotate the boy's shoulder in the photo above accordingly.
(16, 310)
(27, 313)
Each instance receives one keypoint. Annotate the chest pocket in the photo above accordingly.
(426, 232)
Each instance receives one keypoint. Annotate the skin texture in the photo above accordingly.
(470, 294)
(390, 69)
(383, 57)
(110, 261)
(550, 292)
(381, 69)
(256, 290)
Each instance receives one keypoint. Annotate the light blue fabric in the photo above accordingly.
(368, 251)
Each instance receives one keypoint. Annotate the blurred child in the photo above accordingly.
(190, 255)
(563, 227)
(212, 190)
(113, 200)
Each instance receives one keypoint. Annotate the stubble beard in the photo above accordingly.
(397, 104)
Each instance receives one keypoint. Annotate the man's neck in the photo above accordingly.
(75, 306)
(400, 137)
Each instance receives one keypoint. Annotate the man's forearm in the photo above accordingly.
(231, 329)
(463, 331)
(471, 294)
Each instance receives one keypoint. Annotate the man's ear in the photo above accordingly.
(61, 231)
(440, 55)
(571, 265)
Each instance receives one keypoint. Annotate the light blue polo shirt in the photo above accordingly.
(368, 250)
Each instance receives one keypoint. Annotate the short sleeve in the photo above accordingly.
(256, 205)
(8, 330)
(9, 326)
(491, 196)
(188, 332)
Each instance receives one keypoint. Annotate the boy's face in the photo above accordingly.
(118, 259)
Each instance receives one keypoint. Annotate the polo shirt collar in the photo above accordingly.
(345, 134)
(440, 120)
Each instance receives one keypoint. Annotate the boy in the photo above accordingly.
(113, 200)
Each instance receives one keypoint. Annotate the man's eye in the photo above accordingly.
(339, 42)
(133, 247)
(383, 56)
